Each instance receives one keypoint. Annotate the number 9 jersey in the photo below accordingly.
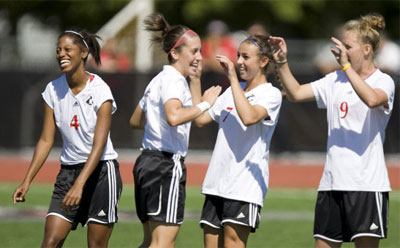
(356, 133)
(76, 117)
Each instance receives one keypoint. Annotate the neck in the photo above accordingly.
(78, 78)
(254, 82)
(178, 68)
(366, 70)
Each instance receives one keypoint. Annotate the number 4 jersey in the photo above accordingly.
(76, 116)
(356, 133)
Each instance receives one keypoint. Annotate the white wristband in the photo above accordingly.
(203, 106)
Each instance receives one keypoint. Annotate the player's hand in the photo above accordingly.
(227, 65)
(279, 48)
(196, 76)
(211, 94)
(340, 52)
(20, 192)
(73, 197)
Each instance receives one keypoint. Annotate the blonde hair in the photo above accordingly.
(369, 27)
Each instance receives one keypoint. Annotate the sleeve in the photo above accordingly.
(386, 84)
(103, 94)
(142, 103)
(320, 90)
(271, 100)
(216, 109)
(173, 88)
(48, 96)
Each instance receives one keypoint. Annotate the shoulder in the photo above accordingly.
(95, 81)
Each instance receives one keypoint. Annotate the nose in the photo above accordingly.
(199, 56)
(239, 60)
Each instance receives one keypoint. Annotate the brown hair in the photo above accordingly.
(169, 34)
(369, 28)
(261, 41)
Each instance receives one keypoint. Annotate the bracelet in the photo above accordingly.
(203, 106)
(281, 62)
(346, 67)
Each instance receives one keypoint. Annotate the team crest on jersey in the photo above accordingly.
(250, 98)
(89, 100)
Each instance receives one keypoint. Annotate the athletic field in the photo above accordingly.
(286, 220)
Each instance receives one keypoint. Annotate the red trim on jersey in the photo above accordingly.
(371, 73)
(91, 78)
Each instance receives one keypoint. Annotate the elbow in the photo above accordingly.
(373, 103)
(173, 121)
(199, 124)
(292, 98)
(249, 121)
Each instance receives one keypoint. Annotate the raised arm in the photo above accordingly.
(295, 92)
(42, 150)
(370, 96)
(249, 114)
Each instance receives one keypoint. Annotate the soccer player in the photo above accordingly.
(165, 112)
(237, 178)
(89, 185)
(353, 193)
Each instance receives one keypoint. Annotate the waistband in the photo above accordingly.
(80, 165)
(161, 153)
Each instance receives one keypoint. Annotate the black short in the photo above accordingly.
(342, 216)
(100, 195)
(218, 210)
(160, 179)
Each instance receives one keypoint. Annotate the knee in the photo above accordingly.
(49, 242)
(97, 243)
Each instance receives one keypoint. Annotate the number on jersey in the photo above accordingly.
(74, 122)
(344, 108)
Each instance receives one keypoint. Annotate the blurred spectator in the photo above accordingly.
(114, 59)
(324, 60)
(257, 28)
(388, 57)
(217, 41)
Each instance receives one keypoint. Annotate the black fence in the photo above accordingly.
(301, 127)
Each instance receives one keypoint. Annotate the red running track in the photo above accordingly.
(282, 173)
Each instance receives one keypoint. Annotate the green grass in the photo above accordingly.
(287, 220)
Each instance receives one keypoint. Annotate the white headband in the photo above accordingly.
(73, 32)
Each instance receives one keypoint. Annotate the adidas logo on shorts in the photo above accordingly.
(373, 227)
(101, 213)
(240, 216)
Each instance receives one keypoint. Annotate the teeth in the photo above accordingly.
(64, 61)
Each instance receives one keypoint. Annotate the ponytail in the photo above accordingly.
(169, 36)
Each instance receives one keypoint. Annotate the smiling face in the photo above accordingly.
(189, 56)
(249, 62)
(69, 55)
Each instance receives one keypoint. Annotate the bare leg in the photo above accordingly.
(213, 237)
(146, 235)
(98, 234)
(56, 231)
(322, 243)
(163, 234)
(364, 242)
(235, 235)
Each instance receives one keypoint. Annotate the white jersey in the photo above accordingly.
(158, 134)
(76, 116)
(238, 168)
(356, 133)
